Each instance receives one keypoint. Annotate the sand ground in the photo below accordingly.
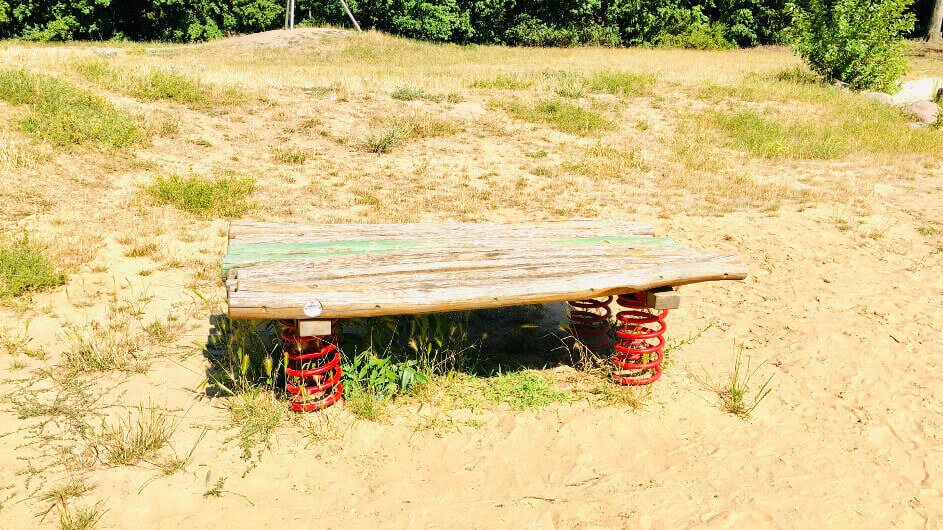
(843, 310)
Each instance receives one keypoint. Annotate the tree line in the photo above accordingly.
(678, 23)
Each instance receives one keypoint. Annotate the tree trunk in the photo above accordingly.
(934, 34)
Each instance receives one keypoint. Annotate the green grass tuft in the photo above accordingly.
(24, 268)
(407, 93)
(223, 197)
(64, 114)
(523, 390)
(129, 441)
(766, 137)
(806, 118)
(159, 84)
(503, 82)
(622, 83)
(290, 155)
(561, 115)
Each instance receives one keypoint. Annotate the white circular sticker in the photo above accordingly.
(313, 309)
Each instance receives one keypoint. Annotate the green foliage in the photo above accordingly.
(523, 390)
(407, 93)
(736, 392)
(388, 356)
(24, 268)
(381, 376)
(843, 123)
(858, 42)
(222, 197)
(768, 138)
(64, 114)
(166, 20)
(129, 441)
(520, 22)
(692, 29)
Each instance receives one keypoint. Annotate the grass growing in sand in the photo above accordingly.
(66, 115)
(399, 129)
(155, 83)
(132, 439)
(787, 115)
(523, 390)
(559, 114)
(627, 84)
(221, 197)
(736, 392)
(25, 268)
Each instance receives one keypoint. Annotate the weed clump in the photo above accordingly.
(223, 197)
(129, 441)
(735, 391)
(291, 156)
(622, 83)
(561, 115)
(503, 82)
(65, 115)
(523, 390)
(24, 268)
(407, 93)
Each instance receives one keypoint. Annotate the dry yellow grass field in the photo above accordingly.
(834, 203)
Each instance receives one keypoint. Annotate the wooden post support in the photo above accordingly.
(663, 298)
(314, 328)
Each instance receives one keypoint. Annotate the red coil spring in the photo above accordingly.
(640, 341)
(586, 321)
(311, 360)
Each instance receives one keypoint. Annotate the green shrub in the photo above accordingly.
(24, 268)
(224, 197)
(858, 42)
(65, 115)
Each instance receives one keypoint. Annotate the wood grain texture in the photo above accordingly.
(372, 270)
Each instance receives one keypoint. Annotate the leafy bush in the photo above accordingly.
(690, 28)
(858, 42)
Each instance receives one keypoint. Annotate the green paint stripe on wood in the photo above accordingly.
(238, 249)
(239, 254)
(647, 241)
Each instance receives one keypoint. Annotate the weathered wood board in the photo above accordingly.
(276, 271)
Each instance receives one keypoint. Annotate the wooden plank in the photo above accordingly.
(442, 231)
(241, 254)
(260, 292)
(275, 271)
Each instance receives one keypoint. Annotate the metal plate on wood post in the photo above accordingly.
(314, 328)
(663, 298)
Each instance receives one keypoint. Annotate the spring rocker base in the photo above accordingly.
(309, 276)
